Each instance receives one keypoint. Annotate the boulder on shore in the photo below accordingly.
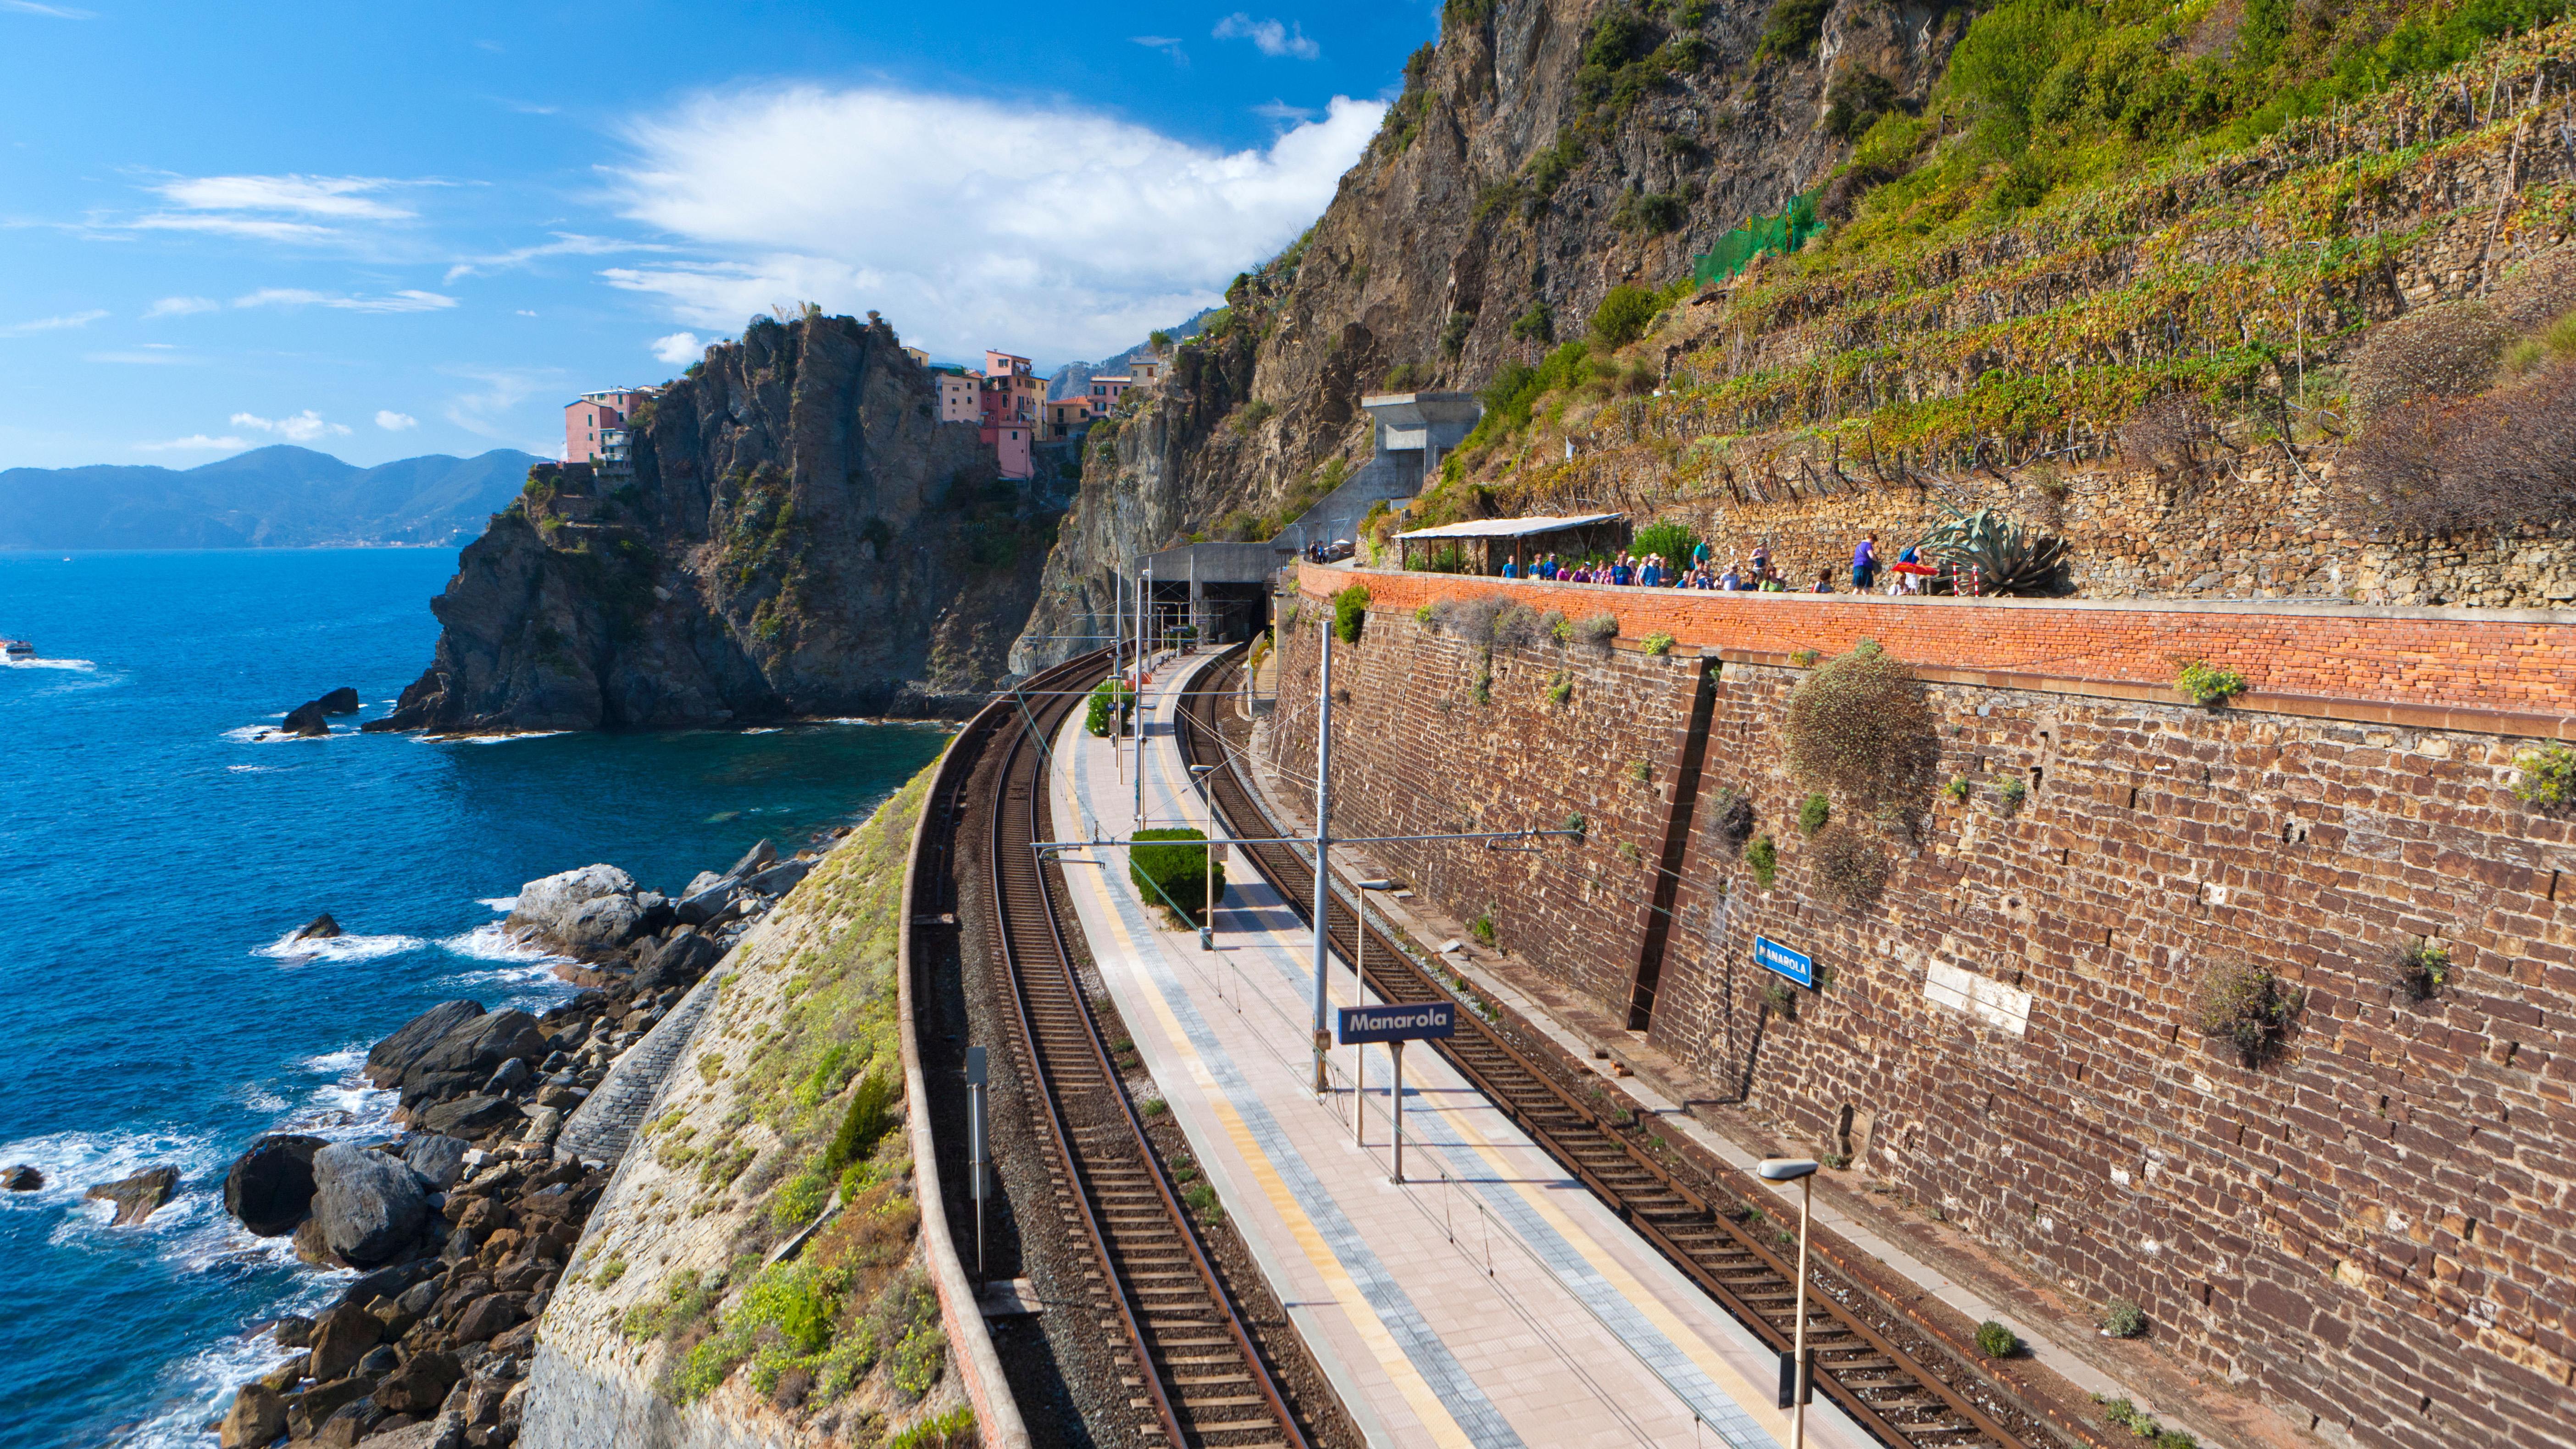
(466, 1057)
(270, 1187)
(370, 1206)
(466, 1116)
(395, 1054)
(440, 1160)
(678, 959)
(20, 1178)
(323, 928)
(757, 858)
(305, 719)
(589, 912)
(137, 1197)
(779, 879)
(256, 1418)
(343, 700)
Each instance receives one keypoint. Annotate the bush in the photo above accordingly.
(2207, 685)
(2123, 1319)
(1996, 1341)
(1850, 867)
(2545, 777)
(870, 1118)
(1730, 818)
(1672, 540)
(1406, 377)
(1659, 644)
(1792, 26)
(798, 1201)
(2449, 349)
(1598, 630)
(1107, 696)
(2500, 460)
(1957, 789)
(1782, 1001)
(1561, 688)
(2247, 1008)
(1538, 324)
(1813, 812)
(2420, 970)
(1859, 727)
(1624, 314)
(1175, 876)
(1764, 857)
(2010, 792)
(1856, 102)
(1350, 613)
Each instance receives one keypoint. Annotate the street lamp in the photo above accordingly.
(1207, 917)
(1359, 997)
(1802, 1171)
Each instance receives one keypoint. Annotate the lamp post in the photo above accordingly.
(1802, 1171)
(1359, 997)
(1323, 831)
(1207, 917)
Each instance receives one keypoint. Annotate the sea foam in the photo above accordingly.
(341, 949)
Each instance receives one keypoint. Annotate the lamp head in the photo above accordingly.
(1374, 885)
(1201, 772)
(1784, 1169)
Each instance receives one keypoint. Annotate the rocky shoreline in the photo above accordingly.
(461, 1227)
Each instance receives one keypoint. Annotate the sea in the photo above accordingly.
(155, 856)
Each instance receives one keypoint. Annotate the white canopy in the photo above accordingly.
(1512, 527)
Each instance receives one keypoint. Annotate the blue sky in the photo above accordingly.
(382, 231)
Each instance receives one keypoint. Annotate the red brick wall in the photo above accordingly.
(2421, 656)
(2382, 1217)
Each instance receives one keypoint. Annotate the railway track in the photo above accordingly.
(1193, 1375)
(1893, 1393)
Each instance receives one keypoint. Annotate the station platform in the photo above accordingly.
(1490, 1300)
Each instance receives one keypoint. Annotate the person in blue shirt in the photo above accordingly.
(1648, 575)
(1865, 563)
(1511, 570)
(1620, 573)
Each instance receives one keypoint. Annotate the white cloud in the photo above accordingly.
(336, 198)
(58, 12)
(1282, 113)
(194, 443)
(1054, 232)
(679, 349)
(485, 411)
(565, 244)
(403, 301)
(1270, 37)
(394, 422)
(54, 324)
(182, 306)
(304, 427)
(1168, 44)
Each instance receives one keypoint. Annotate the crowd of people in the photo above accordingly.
(1905, 575)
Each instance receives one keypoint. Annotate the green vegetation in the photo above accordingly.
(2123, 1319)
(1957, 789)
(2545, 777)
(1659, 644)
(2009, 794)
(1624, 314)
(1110, 697)
(1858, 726)
(1350, 613)
(1764, 857)
(1996, 1341)
(2421, 969)
(1176, 877)
(2121, 1414)
(1482, 928)
(2245, 1007)
(1560, 688)
(1640, 771)
(1672, 541)
(2204, 685)
(1793, 26)
(1813, 812)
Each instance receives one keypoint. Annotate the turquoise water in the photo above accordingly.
(152, 855)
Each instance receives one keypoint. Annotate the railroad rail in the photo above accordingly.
(1195, 1378)
(1887, 1390)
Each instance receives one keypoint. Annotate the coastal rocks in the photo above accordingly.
(470, 1116)
(370, 1206)
(341, 1338)
(677, 959)
(137, 1197)
(343, 700)
(779, 879)
(270, 1187)
(466, 1057)
(323, 928)
(20, 1178)
(305, 719)
(420, 1385)
(438, 1160)
(257, 1417)
(589, 912)
(395, 1054)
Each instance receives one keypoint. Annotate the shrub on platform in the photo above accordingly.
(1350, 612)
(1174, 876)
(1859, 726)
(1996, 1341)
(1107, 696)
(2243, 1005)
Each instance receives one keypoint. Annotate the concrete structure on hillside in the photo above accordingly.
(1414, 431)
(595, 424)
(1222, 588)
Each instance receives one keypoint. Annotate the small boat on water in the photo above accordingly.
(15, 650)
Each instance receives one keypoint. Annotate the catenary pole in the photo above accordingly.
(1323, 832)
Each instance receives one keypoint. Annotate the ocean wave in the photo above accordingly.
(522, 970)
(766, 730)
(495, 942)
(503, 904)
(75, 1162)
(198, 1387)
(339, 1063)
(251, 769)
(428, 739)
(338, 948)
(269, 734)
(80, 665)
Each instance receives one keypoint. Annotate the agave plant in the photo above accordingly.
(2008, 558)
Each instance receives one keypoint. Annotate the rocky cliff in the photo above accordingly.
(799, 536)
(1543, 152)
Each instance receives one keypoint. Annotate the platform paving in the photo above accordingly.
(1490, 1300)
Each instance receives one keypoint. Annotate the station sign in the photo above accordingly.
(1407, 1021)
(1774, 957)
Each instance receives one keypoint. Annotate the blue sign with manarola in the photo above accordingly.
(1793, 964)
(1402, 1021)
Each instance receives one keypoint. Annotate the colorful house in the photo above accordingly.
(595, 424)
(959, 393)
(1067, 417)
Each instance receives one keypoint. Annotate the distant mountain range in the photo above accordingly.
(280, 497)
(1070, 379)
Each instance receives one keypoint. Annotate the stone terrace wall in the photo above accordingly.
(2378, 1228)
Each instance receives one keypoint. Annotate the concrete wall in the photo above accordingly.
(2375, 1229)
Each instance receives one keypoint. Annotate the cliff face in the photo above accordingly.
(1542, 153)
(799, 537)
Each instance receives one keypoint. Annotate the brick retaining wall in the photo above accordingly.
(2378, 1229)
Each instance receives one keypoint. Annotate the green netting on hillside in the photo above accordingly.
(1782, 234)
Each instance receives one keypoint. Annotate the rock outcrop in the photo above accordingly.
(270, 1187)
(370, 1206)
(343, 700)
(798, 536)
(305, 719)
(19, 1177)
(139, 1196)
(586, 913)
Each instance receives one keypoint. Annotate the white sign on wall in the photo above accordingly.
(1984, 998)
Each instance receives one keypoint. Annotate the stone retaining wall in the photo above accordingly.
(2374, 1229)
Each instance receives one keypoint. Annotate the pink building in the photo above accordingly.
(589, 422)
(960, 394)
(1012, 391)
(1011, 449)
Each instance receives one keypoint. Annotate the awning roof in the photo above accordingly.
(1512, 527)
